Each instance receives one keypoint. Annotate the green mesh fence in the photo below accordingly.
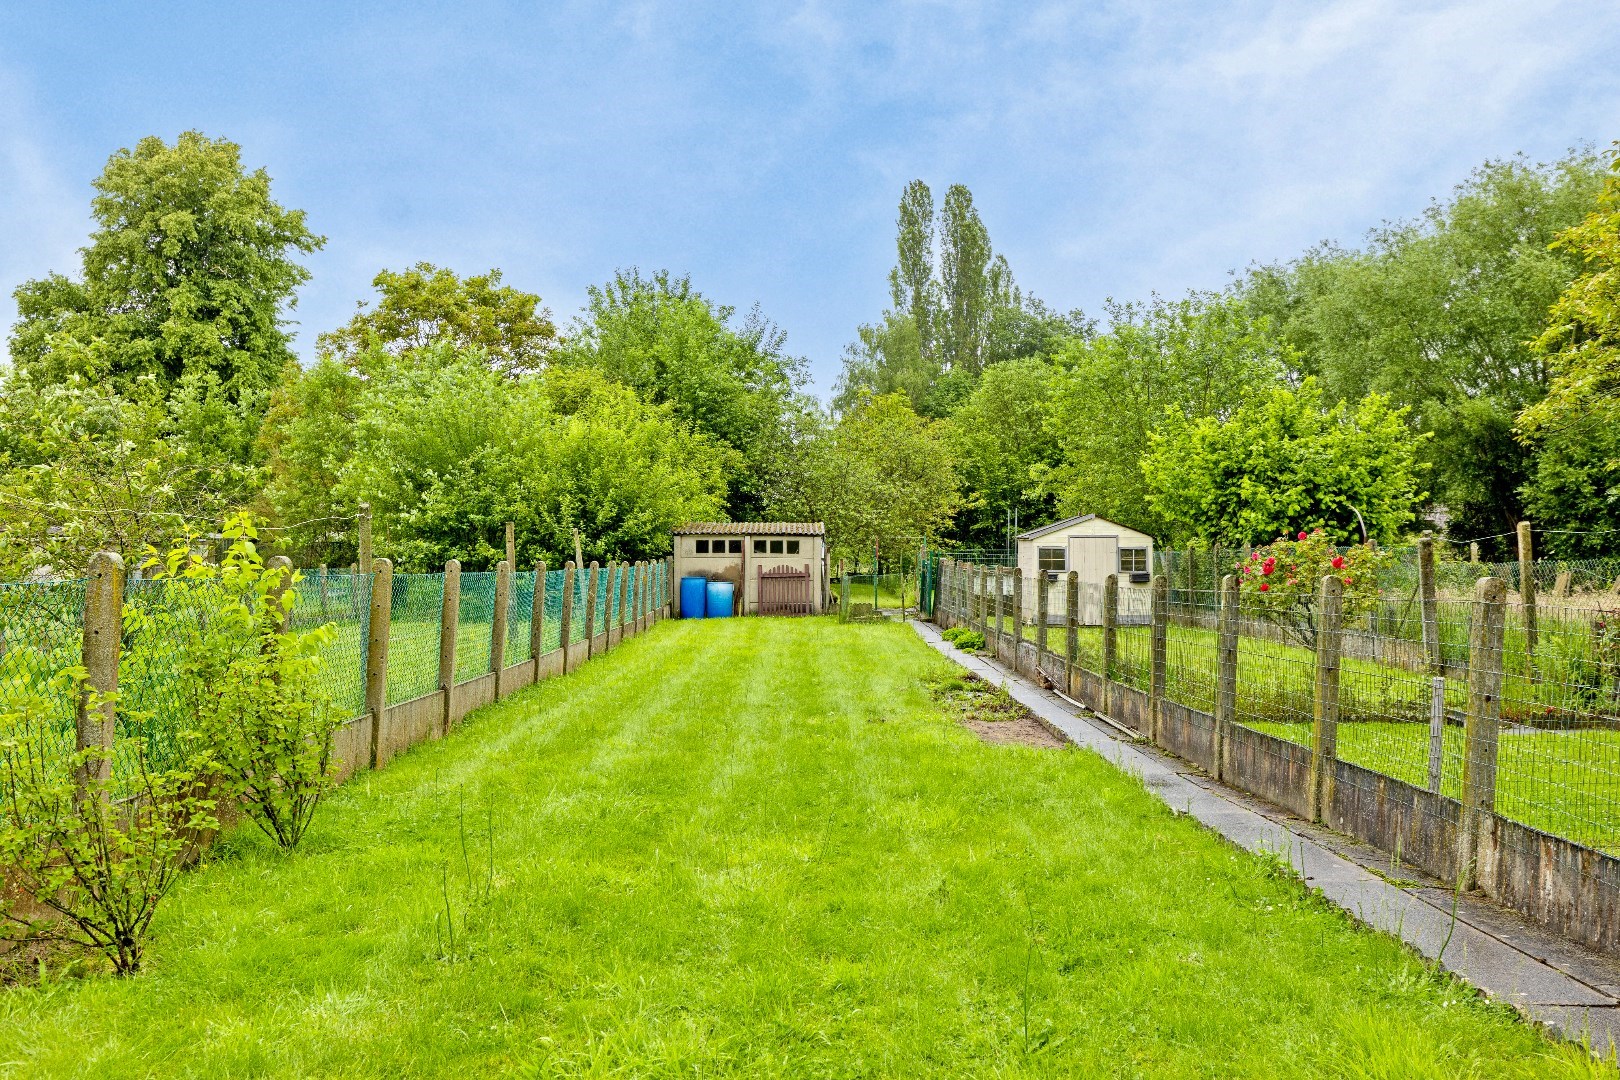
(576, 623)
(551, 628)
(520, 618)
(602, 576)
(413, 636)
(344, 600)
(473, 637)
(41, 636)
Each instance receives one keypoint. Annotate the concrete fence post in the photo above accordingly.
(103, 633)
(1226, 649)
(382, 602)
(1110, 626)
(363, 520)
(1157, 651)
(566, 626)
(449, 635)
(1527, 593)
(511, 546)
(1325, 704)
(1071, 619)
(537, 618)
(1017, 614)
(1485, 636)
(624, 594)
(1041, 602)
(497, 624)
(1429, 603)
(591, 579)
(1001, 608)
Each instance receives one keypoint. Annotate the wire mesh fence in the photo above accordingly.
(41, 634)
(474, 634)
(520, 619)
(413, 636)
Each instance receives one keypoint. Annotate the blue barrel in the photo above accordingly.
(692, 593)
(720, 599)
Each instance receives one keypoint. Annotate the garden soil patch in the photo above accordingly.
(991, 713)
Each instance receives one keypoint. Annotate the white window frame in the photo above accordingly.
(1142, 551)
(1062, 552)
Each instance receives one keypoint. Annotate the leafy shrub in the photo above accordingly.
(1280, 582)
(252, 690)
(97, 854)
(963, 638)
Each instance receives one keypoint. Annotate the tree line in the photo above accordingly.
(1459, 366)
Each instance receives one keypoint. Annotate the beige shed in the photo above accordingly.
(1094, 547)
(778, 567)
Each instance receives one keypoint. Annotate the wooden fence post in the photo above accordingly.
(382, 602)
(1017, 615)
(537, 618)
(497, 625)
(1226, 646)
(1480, 732)
(449, 633)
(567, 624)
(591, 579)
(1325, 707)
(1041, 602)
(1527, 593)
(1158, 650)
(1071, 650)
(103, 633)
(1429, 603)
(363, 563)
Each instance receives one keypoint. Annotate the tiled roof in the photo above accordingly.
(752, 528)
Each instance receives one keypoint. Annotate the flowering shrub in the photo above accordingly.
(1280, 582)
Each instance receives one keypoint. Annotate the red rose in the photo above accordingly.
(1347, 581)
(1338, 562)
(1302, 535)
(1267, 567)
(1265, 586)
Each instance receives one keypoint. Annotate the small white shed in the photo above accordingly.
(1094, 547)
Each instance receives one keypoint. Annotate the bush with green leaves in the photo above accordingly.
(90, 851)
(1281, 582)
(252, 689)
(964, 638)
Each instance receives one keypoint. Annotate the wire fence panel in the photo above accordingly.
(551, 629)
(343, 600)
(601, 623)
(41, 638)
(474, 635)
(413, 636)
(520, 618)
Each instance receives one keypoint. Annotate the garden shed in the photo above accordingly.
(1094, 547)
(777, 567)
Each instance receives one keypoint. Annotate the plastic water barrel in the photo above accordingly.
(693, 590)
(720, 599)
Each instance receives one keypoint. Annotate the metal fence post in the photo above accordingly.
(1429, 603)
(567, 624)
(591, 579)
(382, 602)
(449, 635)
(1041, 583)
(1527, 593)
(1160, 631)
(1226, 646)
(1325, 707)
(497, 625)
(1480, 732)
(103, 633)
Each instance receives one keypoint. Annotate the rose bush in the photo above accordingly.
(1280, 582)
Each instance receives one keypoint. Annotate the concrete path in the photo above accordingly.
(1570, 989)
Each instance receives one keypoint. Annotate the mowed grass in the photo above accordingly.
(757, 848)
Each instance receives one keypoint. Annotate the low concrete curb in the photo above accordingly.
(1569, 989)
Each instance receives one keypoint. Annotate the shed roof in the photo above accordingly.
(752, 528)
(1044, 530)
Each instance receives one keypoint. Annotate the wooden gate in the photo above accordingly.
(784, 591)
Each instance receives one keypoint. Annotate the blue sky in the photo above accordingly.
(1112, 148)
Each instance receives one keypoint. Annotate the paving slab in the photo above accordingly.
(1568, 988)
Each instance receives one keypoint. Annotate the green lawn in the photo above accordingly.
(757, 848)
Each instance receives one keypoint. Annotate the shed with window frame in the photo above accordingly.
(777, 567)
(1094, 547)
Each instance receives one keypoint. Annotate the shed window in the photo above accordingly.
(759, 547)
(792, 547)
(1053, 560)
(702, 547)
(1133, 560)
(734, 547)
(776, 547)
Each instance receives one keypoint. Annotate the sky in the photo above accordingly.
(1113, 149)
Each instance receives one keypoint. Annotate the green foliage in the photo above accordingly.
(1281, 582)
(188, 273)
(447, 450)
(1003, 437)
(677, 349)
(964, 638)
(1284, 460)
(429, 305)
(91, 856)
(252, 690)
(1437, 314)
(880, 475)
(1160, 362)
